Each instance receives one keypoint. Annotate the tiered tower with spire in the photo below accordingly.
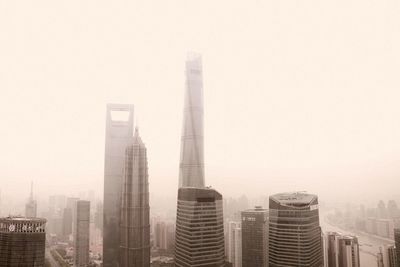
(135, 215)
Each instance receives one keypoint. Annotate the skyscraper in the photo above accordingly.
(22, 242)
(31, 206)
(191, 168)
(199, 228)
(387, 256)
(135, 216)
(294, 231)
(119, 133)
(255, 237)
(233, 242)
(199, 222)
(81, 233)
(343, 250)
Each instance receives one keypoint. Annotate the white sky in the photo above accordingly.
(299, 95)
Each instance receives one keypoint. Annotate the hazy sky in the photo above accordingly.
(299, 95)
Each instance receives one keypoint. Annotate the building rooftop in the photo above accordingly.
(22, 219)
(295, 198)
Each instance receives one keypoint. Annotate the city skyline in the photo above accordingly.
(308, 104)
(285, 150)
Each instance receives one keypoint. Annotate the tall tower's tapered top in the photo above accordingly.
(191, 168)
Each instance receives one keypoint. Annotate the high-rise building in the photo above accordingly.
(397, 244)
(343, 250)
(255, 237)
(294, 231)
(238, 247)
(387, 256)
(191, 168)
(67, 218)
(199, 222)
(31, 206)
(135, 216)
(67, 224)
(233, 242)
(164, 236)
(119, 134)
(81, 233)
(199, 228)
(22, 242)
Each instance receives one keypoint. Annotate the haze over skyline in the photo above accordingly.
(298, 95)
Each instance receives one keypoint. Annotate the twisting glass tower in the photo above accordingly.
(135, 223)
(199, 222)
(191, 168)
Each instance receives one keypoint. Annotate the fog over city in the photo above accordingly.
(298, 95)
(200, 133)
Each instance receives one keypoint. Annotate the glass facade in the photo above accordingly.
(294, 232)
(255, 238)
(22, 242)
(119, 134)
(191, 168)
(199, 237)
(135, 215)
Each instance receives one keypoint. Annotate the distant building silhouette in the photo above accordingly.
(119, 133)
(22, 242)
(81, 233)
(31, 206)
(255, 237)
(135, 211)
(294, 231)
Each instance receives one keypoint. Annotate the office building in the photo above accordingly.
(342, 250)
(164, 236)
(31, 206)
(81, 233)
(233, 242)
(386, 256)
(294, 231)
(199, 228)
(191, 167)
(135, 216)
(255, 237)
(22, 242)
(119, 134)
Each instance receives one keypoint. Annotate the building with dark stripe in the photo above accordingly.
(294, 231)
(22, 242)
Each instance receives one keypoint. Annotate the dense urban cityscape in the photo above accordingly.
(285, 229)
(179, 133)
